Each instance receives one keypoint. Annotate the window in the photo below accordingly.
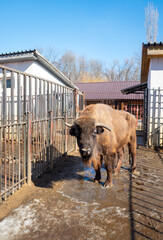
(8, 83)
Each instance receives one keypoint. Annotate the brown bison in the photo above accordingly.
(101, 133)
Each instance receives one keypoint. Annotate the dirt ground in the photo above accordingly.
(66, 204)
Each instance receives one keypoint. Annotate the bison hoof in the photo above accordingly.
(108, 185)
(116, 172)
(136, 172)
(96, 180)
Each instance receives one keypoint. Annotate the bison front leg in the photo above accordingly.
(97, 167)
(109, 163)
(98, 174)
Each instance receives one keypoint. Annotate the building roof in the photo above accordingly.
(107, 90)
(138, 89)
(149, 51)
(34, 55)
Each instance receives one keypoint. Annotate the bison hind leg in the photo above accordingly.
(120, 154)
(132, 155)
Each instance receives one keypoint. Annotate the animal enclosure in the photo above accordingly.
(33, 135)
(153, 117)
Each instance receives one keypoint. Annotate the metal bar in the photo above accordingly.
(51, 95)
(25, 95)
(153, 116)
(18, 99)
(29, 148)
(159, 116)
(4, 98)
(4, 193)
(30, 95)
(51, 139)
(12, 128)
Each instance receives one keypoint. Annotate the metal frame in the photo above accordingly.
(154, 117)
(32, 131)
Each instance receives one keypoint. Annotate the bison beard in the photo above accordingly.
(102, 133)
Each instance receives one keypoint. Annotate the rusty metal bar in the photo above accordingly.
(30, 95)
(29, 148)
(51, 138)
(12, 128)
(4, 98)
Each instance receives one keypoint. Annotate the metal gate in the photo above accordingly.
(32, 130)
(154, 117)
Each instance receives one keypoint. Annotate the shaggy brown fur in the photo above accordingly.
(97, 143)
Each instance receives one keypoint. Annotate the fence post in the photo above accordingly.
(153, 131)
(29, 148)
(66, 137)
(51, 138)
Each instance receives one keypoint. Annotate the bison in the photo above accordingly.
(102, 132)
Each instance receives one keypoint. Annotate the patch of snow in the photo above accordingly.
(21, 219)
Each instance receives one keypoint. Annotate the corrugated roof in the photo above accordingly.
(11, 54)
(107, 90)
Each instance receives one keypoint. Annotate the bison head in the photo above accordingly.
(86, 130)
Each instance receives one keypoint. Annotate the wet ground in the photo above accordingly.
(67, 205)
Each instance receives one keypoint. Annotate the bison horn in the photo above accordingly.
(102, 125)
(68, 125)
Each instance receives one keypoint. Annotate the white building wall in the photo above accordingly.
(155, 79)
(39, 70)
(35, 68)
(21, 66)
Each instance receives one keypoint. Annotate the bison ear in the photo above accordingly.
(99, 130)
(74, 131)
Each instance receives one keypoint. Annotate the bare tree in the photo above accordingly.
(78, 69)
(151, 22)
(50, 53)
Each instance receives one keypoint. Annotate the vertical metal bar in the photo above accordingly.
(29, 148)
(18, 98)
(4, 129)
(12, 128)
(25, 95)
(51, 139)
(44, 99)
(40, 98)
(30, 95)
(4, 98)
(52, 85)
(36, 99)
(153, 117)
(159, 115)
(48, 102)
(55, 120)
(25, 127)
(65, 120)
(48, 129)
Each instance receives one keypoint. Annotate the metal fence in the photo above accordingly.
(154, 117)
(32, 130)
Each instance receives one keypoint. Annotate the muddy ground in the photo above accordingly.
(67, 205)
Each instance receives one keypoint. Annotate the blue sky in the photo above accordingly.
(106, 30)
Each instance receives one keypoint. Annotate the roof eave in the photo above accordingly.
(135, 88)
(22, 58)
